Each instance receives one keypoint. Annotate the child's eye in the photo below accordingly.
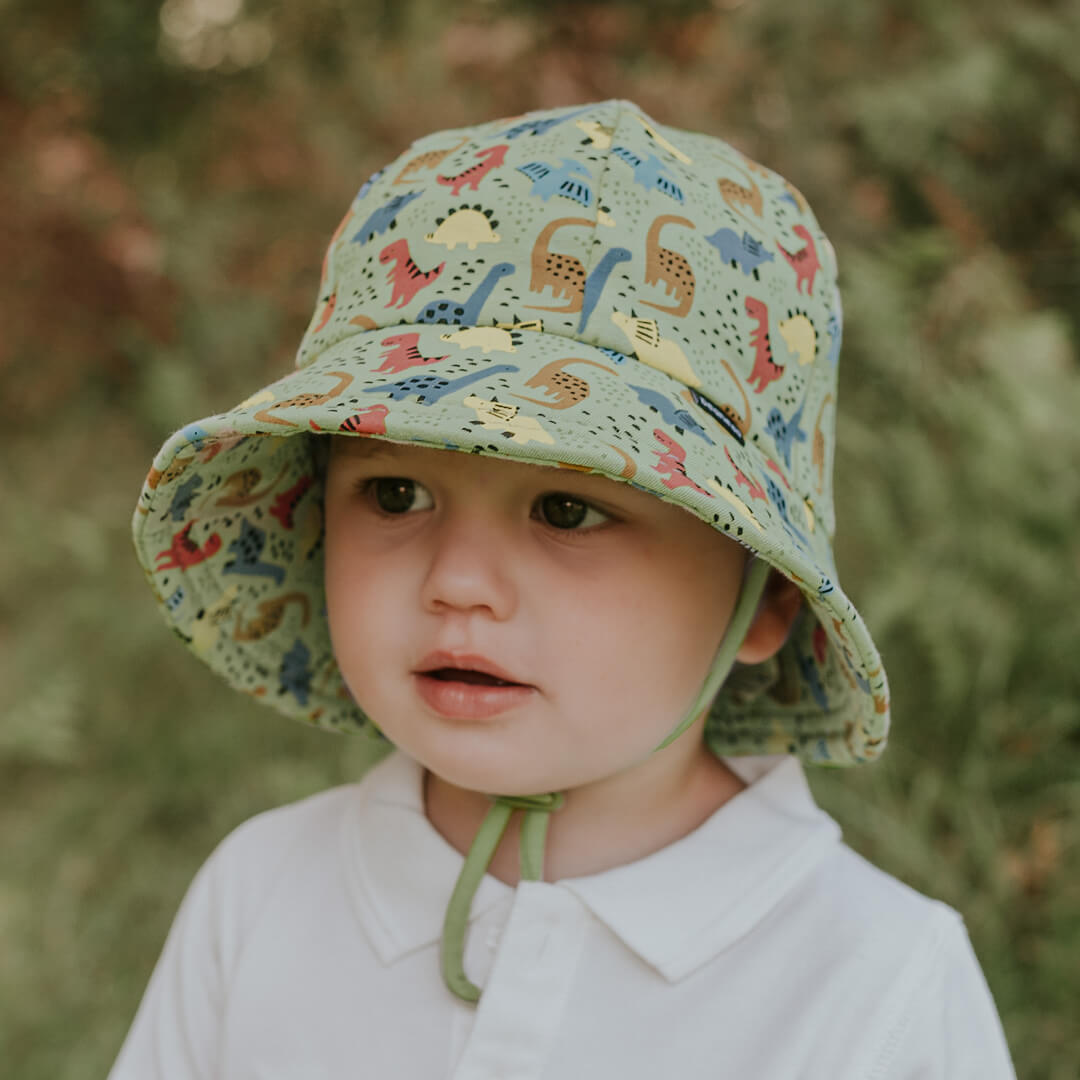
(562, 511)
(399, 495)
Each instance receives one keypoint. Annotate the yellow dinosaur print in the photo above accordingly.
(661, 141)
(484, 338)
(650, 348)
(498, 416)
(800, 337)
(206, 631)
(465, 226)
(600, 134)
(735, 501)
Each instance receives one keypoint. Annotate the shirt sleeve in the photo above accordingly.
(950, 1029)
(176, 1029)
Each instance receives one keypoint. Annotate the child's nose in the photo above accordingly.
(471, 568)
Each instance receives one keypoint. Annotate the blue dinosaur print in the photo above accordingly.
(195, 434)
(613, 356)
(432, 388)
(246, 549)
(295, 674)
(367, 185)
(181, 500)
(812, 678)
(383, 217)
(785, 432)
(597, 279)
(175, 599)
(649, 172)
(548, 180)
(776, 497)
(538, 126)
(678, 417)
(456, 313)
(742, 251)
(833, 326)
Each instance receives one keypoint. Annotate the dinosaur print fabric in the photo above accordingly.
(580, 287)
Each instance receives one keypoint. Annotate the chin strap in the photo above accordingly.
(538, 807)
(531, 842)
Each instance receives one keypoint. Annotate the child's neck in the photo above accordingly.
(602, 825)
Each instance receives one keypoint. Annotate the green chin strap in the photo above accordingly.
(538, 807)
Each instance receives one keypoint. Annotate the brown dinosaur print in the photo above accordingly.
(671, 464)
(566, 389)
(331, 303)
(157, 476)
(366, 321)
(563, 274)
(817, 452)
(741, 422)
(183, 553)
(667, 266)
(766, 369)
(432, 159)
(406, 277)
(471, 177)
(271, 612)
(243, 487)
(735, 195)
(304, 401)
(333, 240)
(805, 263)
(629, 468)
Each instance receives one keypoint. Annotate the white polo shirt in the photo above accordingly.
(757, 946)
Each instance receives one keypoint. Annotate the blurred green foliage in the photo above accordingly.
(169, 176)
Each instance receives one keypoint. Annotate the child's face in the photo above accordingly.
(601, 604)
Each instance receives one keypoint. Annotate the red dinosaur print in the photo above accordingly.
(404, 354)
(183, 553)
(805, 263)
(776, 469)
(766, 369)
(367, 422)
(472, 176)
(742, 480)
(285, 504)
(327, 312)
(671, 464)
(406, 277)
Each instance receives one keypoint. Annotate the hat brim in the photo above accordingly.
(229, 523)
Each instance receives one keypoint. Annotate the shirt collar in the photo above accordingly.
(744, 860)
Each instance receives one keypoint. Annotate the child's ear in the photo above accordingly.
(776, 612)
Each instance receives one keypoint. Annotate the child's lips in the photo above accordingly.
(468, 686)
(473, 667)
(470, 701)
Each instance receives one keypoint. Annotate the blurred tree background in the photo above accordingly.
(169, 176)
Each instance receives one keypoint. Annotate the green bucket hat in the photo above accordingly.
(581, 287)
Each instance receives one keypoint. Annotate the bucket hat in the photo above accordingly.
(582, 287)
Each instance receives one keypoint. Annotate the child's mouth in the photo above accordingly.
(465, 675)
(466, 693)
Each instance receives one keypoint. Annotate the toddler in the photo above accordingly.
(546, 506)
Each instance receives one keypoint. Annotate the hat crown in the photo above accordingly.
(666, 246)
